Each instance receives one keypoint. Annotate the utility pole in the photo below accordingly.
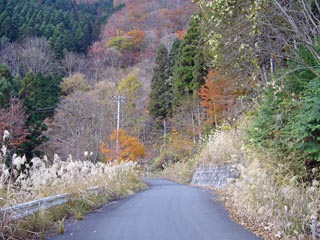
(164, 134)
(271, 66)
(118, 99)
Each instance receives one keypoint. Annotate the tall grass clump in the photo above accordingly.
(268, 194)
(181, 171)
(223, 146)
(89, 184)
(280, 182)
(69, 176)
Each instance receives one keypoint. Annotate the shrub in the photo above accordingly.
(180, 171)
(288, 118)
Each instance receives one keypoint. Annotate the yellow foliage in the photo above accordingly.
(129, 86)
(76, 82)
(180, 145)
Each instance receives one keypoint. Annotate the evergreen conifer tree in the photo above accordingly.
(160, 105)
(8, 86)
(189, 72)
(40, 95)
(173, 57)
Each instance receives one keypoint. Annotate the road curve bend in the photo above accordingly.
(166, 211)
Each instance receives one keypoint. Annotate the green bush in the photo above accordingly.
(288, 117)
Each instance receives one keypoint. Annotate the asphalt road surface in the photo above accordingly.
(166, 211)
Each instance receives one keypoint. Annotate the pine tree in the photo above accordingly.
(173, 57)
(40, 95)
(7, 86)
(189, 71)
(160, 105)
(54, 20)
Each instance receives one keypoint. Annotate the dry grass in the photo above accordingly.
(267, 194)
(61, 177)
(180, 171)
(224, 146)
(270, 196)
(114, 180)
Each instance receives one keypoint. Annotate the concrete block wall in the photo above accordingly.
(215, 175)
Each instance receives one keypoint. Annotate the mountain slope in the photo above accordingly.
(134, 32)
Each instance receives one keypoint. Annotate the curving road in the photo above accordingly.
(166, 211)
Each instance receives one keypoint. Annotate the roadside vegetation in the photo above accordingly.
(63, 64)
(171, 85)
(90, 186)
(261, 100)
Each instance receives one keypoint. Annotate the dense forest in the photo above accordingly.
(62, 56)
(66, 25)
(205, 75)
(34, 36)
(155, 81)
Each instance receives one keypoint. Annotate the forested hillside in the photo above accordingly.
(67, 26)
(261, 102)
(151, 81)
(53, 70)
(134, 33)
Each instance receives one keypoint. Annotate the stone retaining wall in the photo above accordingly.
(215, 175)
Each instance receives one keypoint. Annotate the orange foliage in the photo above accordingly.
(103, 148)
(182, 33)
(130, 149)
(218, 94)
(137, 36)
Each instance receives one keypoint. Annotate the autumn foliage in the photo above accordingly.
(13, 119)
(137, 36)
(143, 25)
(218, 95)
(130, 149)
(180, 145)
(182, 33)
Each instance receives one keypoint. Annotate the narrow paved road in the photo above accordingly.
(166, 211)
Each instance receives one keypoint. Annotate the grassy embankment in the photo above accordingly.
(268, 197)
(114, 180)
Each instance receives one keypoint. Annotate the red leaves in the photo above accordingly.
(182, 33)
(218, 94)
(14, 119)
